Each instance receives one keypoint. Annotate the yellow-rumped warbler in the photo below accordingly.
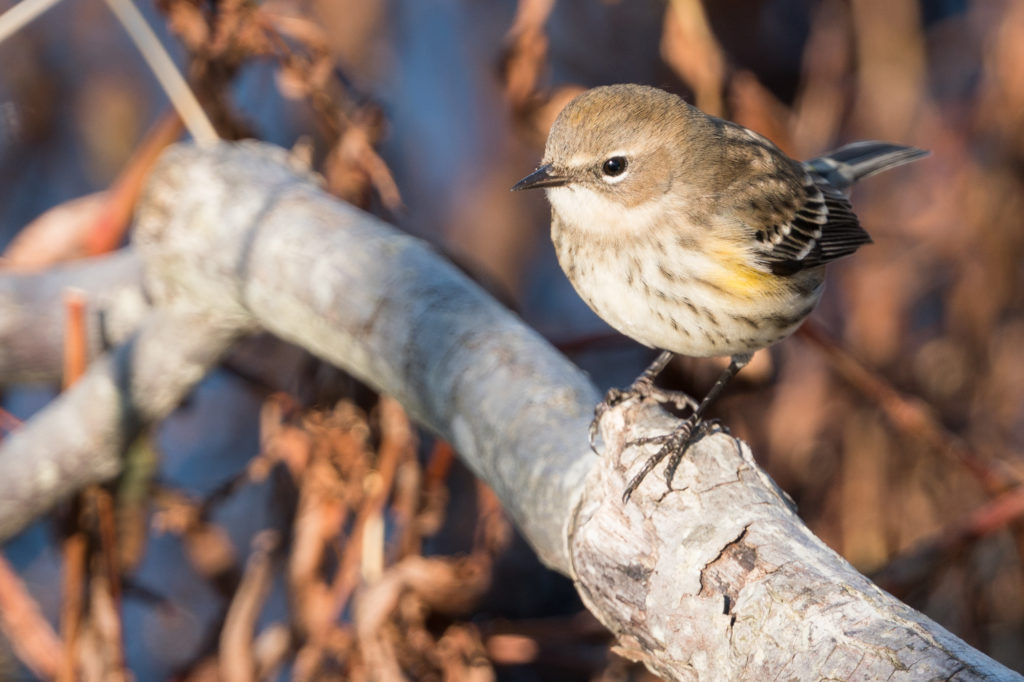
(692, 234)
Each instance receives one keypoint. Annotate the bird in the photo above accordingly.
(694, 235)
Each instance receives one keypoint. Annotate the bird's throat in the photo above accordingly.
(595, 213)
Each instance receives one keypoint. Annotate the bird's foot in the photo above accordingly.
(674, 445)
(641, 389)
(644, 389)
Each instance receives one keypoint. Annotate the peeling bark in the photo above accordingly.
(718, 578)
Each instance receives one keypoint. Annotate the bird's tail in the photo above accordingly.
(855, 161)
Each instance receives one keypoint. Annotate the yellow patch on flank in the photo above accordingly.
(736, 275)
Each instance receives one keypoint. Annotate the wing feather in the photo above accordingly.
(798, 220)
(823, 228)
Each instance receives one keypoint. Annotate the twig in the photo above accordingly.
(270, 648)
(22, 14)
(237, 660)
(8, 422)
(407, 501)
(395, 445)
(824, 91)
(94, 499)
(907, 413)
(689, 46)
(34, 641)
(109, 229)
(102, 503)
(74, 552)
(439, 464)
(171, 80)
(905, 572)
(76, 345)
(75, 547)
(526, 53)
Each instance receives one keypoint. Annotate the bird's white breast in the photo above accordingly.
(658, 281)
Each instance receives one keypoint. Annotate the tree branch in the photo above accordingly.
(79, 438)
(242, 228)
(32, 313)
(720, 579)
(715, 579)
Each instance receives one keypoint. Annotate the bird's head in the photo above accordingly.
(623, 143)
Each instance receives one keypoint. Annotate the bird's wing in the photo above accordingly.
(797, 219)
(820, 228)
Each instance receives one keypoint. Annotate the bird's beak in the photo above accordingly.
(542, 177)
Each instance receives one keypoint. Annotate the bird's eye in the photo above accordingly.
(614, 166)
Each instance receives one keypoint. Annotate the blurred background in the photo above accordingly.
(316, 534)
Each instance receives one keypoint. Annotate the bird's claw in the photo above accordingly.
(674, 445)
(595, 425)
(614, 396)
(641, 389)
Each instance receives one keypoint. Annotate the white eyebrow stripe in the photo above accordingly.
(581, 160)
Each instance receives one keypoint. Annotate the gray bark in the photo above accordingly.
(720, 579)
(79, 438)
(717, 579)
(32, 316)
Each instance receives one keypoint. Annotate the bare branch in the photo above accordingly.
(166, 72)
(720, 579)
(242, 229)
(717, 579)
(32, 313)
(78, 439)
